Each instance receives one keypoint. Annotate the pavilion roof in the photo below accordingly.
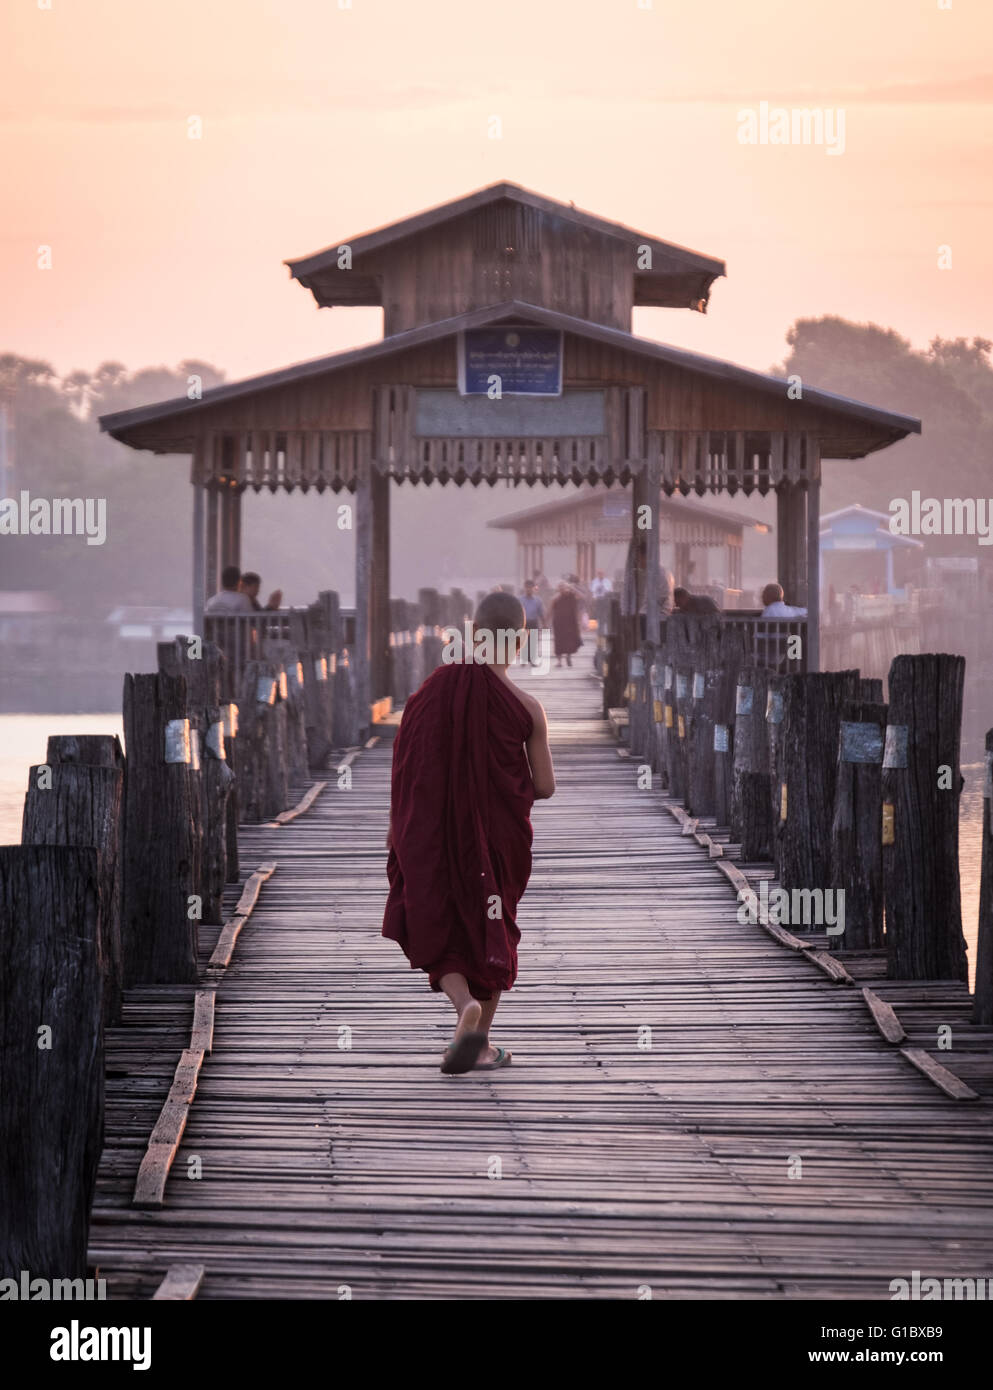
(125, 425)
(667, 260)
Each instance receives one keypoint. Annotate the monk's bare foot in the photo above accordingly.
(488, 1054)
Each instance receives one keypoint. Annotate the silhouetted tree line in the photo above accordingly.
(948, 387)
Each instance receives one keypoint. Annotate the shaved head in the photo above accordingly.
(498, 612)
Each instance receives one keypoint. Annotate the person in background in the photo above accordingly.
(250, 585)
(229, 598)
(565, 623)
(774, 606)
(697, 604)
(542, 587)
(534, 620)
(601, 585)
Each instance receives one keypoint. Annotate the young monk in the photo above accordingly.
(470, 757)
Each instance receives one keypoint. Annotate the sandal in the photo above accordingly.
(461, 1056)
(502, 1059)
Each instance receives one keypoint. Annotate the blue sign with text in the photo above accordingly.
(513, 361)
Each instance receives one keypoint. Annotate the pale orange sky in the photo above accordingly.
(320, 123)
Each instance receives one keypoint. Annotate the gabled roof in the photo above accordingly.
(667, 258)
(856, 509)
(585, 494)
(120, 423)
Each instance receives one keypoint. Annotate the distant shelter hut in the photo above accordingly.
(507, 355)
(858, 550)
(594, 527)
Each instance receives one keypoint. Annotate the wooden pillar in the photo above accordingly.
(813, 652)
(645, 493)
(681, 562)
(791, 542)
(379, 612)
(199, 557)
(234, 505)
(359, 654)
(230, 530)
(212, 575)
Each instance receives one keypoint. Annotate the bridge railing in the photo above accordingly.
(815, 774)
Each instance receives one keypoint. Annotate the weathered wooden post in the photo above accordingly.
(271, 737)
(812, 706)
(202, 664)
(683, 697)
(922, 785)
(429, 602)
(398, 688)
(346, 729)
(229, 728)
(306, 638)
(730, 659)
(704, 697)
(411, 649)
(90, 750)
(161, 845)
(751, 804)
(983, 1005)
(670, 734)
(614, 659)
(656, 707)
(636, 696)
(82, 804)
(856, 833)
(774, 708)
(51, 1043)
(294, 699)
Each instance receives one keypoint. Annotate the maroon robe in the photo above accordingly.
(461, 802)
(565, 623)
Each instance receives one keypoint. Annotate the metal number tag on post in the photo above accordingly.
(895, 753)
(215, 740)
(861, 743)
(177, 741)
(743, 699)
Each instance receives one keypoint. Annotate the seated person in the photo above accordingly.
(696, 604)
(250, 585)
(774, 607)
(229, 598)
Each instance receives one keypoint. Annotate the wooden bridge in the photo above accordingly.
(692, 1110)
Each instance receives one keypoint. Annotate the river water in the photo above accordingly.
(23, 739)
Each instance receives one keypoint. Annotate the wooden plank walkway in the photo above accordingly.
(691, 1108)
